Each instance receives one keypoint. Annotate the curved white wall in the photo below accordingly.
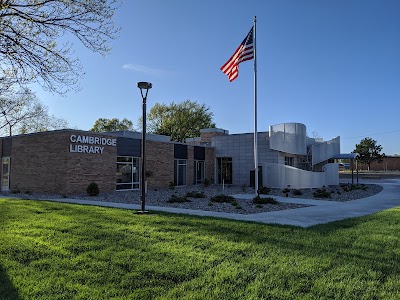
(281, 176)
(288, 137)
(325, 150)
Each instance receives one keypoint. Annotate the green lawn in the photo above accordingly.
(62, 251)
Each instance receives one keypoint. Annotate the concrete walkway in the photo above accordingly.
(322, 211)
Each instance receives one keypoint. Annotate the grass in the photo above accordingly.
(63, 251)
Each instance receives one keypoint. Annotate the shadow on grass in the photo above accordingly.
(7, 289)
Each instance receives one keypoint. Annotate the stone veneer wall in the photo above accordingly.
(160, 161)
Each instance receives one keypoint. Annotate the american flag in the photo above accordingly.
(244, 52)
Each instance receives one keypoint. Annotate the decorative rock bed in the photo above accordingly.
(162, 197)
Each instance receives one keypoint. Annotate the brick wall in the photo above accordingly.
(84, 168)
(42, 163)
(210, 164)
(160, 161)
(190, 165)
(38, 163)
(207, 134)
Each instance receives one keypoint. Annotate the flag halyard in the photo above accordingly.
(244, 52)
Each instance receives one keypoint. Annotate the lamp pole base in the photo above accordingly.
(142, 212)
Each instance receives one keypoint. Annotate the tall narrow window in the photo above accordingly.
(127, 173)
(5, 174)
(199, 171)
(180, 171)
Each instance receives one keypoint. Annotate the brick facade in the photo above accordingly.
(160, 162)
(210, 165)
(48, 162)
(43, 163)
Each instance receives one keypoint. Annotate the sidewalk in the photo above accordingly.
(322, 211)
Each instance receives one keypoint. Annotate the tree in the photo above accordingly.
(30, 32)
(179, 120)
(18, 107)
(104, 125)
(44, 122)
(21, 110)
(369, 151)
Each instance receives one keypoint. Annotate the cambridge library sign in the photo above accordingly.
(89, 144)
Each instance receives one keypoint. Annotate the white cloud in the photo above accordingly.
(144, 69)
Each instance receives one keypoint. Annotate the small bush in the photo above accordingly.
(243, 188)
(178, 199)
(268, 200)
(238, 207)
(234, 203)
(259, 206)
(28, 192)
(16, 191)
(93, 189)
(210, 203)
(322, 193)
(171, 185)
(195, 195)
(264, 190)
(297, 192)
(206, 182)
(286, 190)
(223, 199)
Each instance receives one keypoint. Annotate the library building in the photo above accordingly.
(67, 161)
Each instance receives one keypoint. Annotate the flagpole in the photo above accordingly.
(255, 112)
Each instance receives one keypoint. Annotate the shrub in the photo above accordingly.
(243, 188)
(171, 185)
(206, 182)
(268, 200)
(285, 190)
(264, 190)
(178, 199)
(297, 192)
(195, 195)
(93, 189)
(322, 193)
(222, 199)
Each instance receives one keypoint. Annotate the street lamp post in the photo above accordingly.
(143, 86)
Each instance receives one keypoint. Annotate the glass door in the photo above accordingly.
(5, 174)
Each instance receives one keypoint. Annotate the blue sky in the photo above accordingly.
(333, 65)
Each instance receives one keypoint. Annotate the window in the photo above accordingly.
(5, 174)
(289, 161)
(180, 171)
(128, 173)
(199, 171)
